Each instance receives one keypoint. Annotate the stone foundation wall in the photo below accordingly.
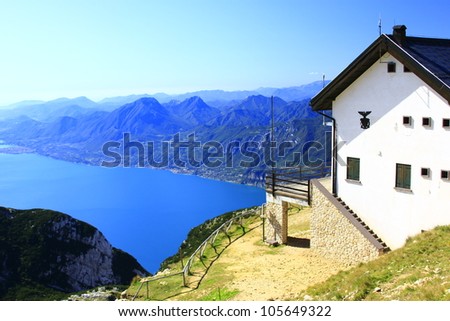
(333, 235)
(276, 215)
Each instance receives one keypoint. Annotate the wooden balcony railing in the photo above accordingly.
(294, 182)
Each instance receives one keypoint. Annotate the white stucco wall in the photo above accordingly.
(393, 214)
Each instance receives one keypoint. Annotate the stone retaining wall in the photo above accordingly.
(333, 235)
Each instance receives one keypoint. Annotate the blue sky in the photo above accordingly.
(98, 49)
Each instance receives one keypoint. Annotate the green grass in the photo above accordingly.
(33, 291)
(158, 290)
(420, 271)
(212, 288)
(197, 235)
(219, 294)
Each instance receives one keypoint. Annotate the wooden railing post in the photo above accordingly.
(309, 192)
(225, 227)
(184, 278)
(137, 292)
(263, 216)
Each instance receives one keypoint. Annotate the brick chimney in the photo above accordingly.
(399, 33)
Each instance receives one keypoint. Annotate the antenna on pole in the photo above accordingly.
(324, 123)
(379, 25)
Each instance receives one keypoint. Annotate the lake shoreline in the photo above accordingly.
(123, 201)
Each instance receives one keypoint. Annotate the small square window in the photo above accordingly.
(406, 69)
(426, 121)
(425, 172)
(391, 67)
(445, 175)
(407, 120)
(446, 122)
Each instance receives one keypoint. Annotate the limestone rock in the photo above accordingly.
(59, 252)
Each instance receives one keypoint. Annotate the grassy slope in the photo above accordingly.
(418, 271)
(197, 235)
(212, 288)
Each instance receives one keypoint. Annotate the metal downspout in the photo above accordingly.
(334, 148)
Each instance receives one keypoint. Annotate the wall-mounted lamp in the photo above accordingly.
(365, 122)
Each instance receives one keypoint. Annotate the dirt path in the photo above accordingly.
(267, 273)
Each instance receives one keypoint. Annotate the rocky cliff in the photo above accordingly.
(56, 251)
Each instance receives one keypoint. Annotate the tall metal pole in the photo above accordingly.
(272, 139)
(272, 131)
(273, 126)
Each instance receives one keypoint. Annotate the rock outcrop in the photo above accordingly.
(57, 251)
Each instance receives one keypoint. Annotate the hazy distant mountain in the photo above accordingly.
(254, 111)
(193, 110)
(141, 117)
(300, 92)
(219, 98)
(217, 95)
(79, 101)
(76, 130)
(257, 111)
(294, 110)
(296, 93)
(262, 104)
(50, 110)
(111, 103)
(240, 117)
(22, 104)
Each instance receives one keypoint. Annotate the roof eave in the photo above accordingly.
(419, 70)
(324, 99)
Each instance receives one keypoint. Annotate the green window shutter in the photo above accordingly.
(403, 176)
(353, 165)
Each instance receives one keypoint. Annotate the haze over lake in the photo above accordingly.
(145, 212)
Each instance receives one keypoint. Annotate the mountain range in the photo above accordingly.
(215, 98)
(77, 129)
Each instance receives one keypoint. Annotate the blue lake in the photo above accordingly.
(145, 212)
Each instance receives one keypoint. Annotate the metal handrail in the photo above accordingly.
(200, 249)
(148, 280)
(211, 238)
